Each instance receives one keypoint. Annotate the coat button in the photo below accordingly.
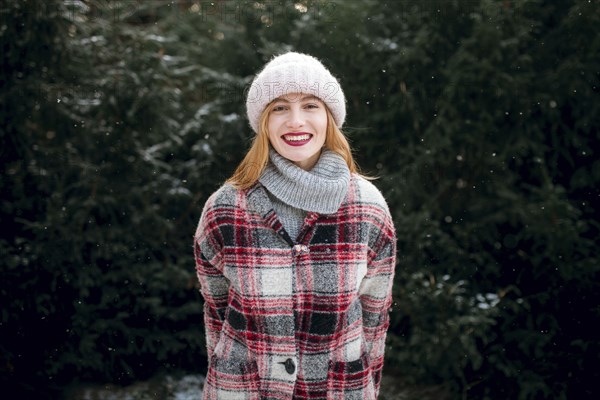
(300, 249)
(289, 366)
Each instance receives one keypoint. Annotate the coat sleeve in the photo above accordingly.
(376, 296)
(214, 286)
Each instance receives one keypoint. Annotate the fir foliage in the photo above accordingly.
(120, 117)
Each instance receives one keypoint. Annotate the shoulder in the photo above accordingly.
(373, 207)
(368, 193)
(211, 230)
(220, 202)
(226, 196)
(370, 203)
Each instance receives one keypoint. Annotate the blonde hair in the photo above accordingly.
(256, 159)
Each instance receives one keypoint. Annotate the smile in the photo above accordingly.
(297, 139)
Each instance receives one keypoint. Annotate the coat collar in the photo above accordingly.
(259, 202)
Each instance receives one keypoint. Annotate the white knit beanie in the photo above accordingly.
(294, 73)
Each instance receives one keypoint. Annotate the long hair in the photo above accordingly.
(256, 159)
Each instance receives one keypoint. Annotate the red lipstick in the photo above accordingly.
(297, 138)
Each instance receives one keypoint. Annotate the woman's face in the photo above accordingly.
(297, 125)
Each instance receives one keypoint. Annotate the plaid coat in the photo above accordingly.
(295, 319)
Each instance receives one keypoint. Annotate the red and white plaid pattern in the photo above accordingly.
(295, 319)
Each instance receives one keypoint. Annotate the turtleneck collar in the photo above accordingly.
(321, 190)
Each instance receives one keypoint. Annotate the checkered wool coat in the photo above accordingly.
(295, 319)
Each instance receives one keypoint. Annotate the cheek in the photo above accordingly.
(323, 124)
(272, 128)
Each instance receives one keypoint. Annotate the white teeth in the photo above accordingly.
(293, 138)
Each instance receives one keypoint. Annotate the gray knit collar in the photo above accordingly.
(321, 190)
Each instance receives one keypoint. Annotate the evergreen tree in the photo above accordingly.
(119, 118)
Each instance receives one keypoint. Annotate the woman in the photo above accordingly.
(295, 254)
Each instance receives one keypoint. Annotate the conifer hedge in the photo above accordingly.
(119, 117)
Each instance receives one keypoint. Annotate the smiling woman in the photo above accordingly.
(295, 254)
(297, 126)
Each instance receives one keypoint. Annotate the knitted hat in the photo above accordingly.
(294, 73)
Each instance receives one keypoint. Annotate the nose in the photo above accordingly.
(295, 120)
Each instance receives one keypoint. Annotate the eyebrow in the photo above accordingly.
(304, 98)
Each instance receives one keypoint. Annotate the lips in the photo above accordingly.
(297, 138)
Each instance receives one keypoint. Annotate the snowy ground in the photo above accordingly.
(189, 387)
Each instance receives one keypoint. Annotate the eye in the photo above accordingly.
(278, 108)
(312, 105)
